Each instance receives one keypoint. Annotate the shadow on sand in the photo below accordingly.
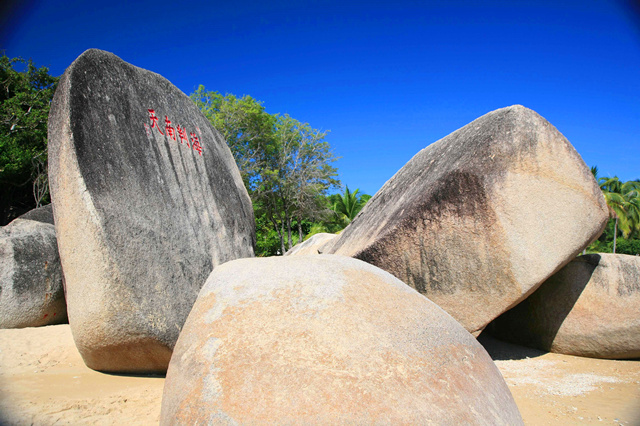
(141, 375)
(503, 351)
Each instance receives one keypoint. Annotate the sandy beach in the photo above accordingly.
(43, 381)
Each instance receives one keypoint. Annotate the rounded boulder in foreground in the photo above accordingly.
(589, 308)
(325, 340)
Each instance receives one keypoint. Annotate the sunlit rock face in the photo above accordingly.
(326, 339)
(147, 201)
(479, 219)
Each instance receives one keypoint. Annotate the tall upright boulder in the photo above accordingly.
(147, 201)
(590, 308)
(326, 340)
(477, 220)
(31, 287)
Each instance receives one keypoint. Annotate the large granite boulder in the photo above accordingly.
(477, 220)
(590, 308)
(41, 214)
(147, 201)
(31, 289)
(312, 246)
(326, 340)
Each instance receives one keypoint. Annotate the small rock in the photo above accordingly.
(31, 287)
(312, 246)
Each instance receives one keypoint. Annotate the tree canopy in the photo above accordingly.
(25, 98)
(285, 164)
(623, 201)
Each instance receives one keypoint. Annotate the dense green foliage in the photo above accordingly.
(623, 201)
(25, 98)
(285, 165)
(336, 219)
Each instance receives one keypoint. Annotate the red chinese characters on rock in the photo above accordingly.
(196, 143)
(182, 134)
(174, 132)
(154, 120)
(170, 130)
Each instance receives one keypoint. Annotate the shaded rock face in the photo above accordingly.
(31, 289)
(326, 340)
(41, 214)
(477, 220)
(590, 308)
(147, 201)
(312, 246)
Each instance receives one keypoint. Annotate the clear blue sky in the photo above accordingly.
(386, 77)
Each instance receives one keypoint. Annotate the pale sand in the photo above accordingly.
(43, 381)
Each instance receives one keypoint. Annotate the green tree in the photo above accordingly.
(285, 164)
(293, 173)
(623, 202)
(244, 124)
(25, 98)
(624, 205)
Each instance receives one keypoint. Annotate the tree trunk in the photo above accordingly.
(281, 233)
(299, 230)
(290, 241)
(287, 219)
(615, 234)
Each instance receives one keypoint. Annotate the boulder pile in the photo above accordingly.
(148, 202)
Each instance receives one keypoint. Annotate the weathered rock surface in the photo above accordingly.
(590, 308)
(312, 246)
(326, 340)
(147, 201)
(477, 220)
(31, 289)
(41, 214)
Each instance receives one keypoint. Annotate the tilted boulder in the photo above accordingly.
(312, 246)
(326, 340)
(477, 220)
(31, 289)
(147, 201)
(590, 308)
(41, 214)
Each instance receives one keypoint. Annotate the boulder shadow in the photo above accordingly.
(499, 350)
(140, 375)
(536, 321)
(564, 288)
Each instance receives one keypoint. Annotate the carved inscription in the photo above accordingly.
(173, 133)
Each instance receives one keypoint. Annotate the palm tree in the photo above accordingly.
(623, 201)
(631, 194)
(348, 205)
